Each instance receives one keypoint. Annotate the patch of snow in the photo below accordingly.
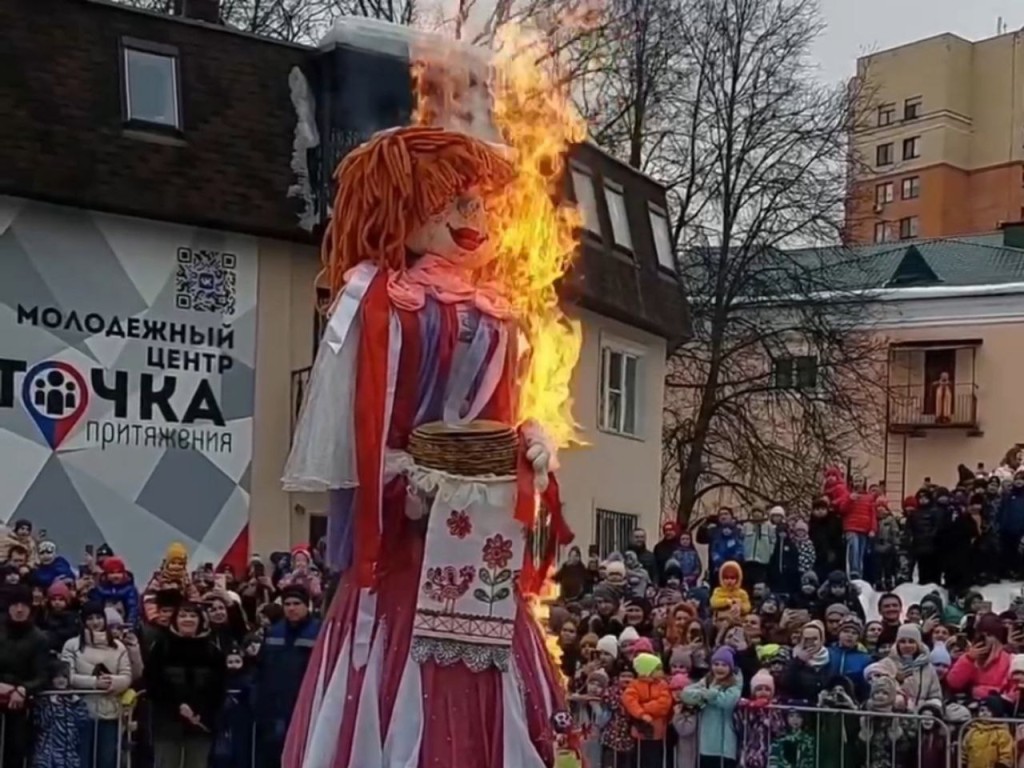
(306, 137)
(1000, 595)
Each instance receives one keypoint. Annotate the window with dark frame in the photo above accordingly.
(912, 108)
(886, 114)
(912, 148)
(911, 188)
(908, 228)
(662, 238)
(150, 84)
(795, 372)
(881, 232)
(884, 193)
(883, 154)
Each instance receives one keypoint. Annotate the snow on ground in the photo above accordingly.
(1000, 595)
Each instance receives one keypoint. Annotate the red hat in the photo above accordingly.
(114, 565)
(59, 589)
(302, 549)
(910, 502)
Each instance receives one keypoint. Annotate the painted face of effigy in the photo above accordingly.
(458, 233)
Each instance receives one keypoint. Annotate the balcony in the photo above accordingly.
(300, 383)
(932, 386)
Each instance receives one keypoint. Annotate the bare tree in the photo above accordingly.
(780, 377)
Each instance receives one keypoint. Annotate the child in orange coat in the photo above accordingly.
(648, 701)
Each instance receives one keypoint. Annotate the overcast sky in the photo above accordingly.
(856, 27)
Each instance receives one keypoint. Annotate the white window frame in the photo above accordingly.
(170, 55)
(662, 245)
(585, 192)
(607, 388)
(618, 214)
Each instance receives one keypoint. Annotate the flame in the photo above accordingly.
(536, 234)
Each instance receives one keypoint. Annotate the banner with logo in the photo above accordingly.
(127, 374)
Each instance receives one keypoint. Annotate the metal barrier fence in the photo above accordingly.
(68, 729)
(783, 736)
(87, 729)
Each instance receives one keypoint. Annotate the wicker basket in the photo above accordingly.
(476, 449)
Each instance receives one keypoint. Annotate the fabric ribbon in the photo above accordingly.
(371, 397)
(559, 534)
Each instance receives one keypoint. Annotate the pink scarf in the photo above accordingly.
(408, 288)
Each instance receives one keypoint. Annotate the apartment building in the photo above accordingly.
(157, 300)
(941, 151)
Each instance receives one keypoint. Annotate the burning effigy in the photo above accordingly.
(437, 404)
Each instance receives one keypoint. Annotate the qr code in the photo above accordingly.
(206, 281)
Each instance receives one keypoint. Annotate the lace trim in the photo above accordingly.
(448, 652)
(456, 491)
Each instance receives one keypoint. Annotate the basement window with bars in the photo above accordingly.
(614, 531)
(150, 84)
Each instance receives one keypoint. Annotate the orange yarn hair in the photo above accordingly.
(394, 183)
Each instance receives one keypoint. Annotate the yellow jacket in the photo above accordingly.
(987, 745)
(723, 596)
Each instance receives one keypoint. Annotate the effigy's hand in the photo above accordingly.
(540, 452)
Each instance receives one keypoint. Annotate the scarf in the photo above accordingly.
(438, 277)
(817, 660)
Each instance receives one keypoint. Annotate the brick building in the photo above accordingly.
(157, 300)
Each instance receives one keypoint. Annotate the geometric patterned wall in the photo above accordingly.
(127, 375)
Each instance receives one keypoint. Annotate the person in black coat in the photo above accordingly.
(808, 673)
(186, 681)
(24, 670)
(927, 529)
(825, 530)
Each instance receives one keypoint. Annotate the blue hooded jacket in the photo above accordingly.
(126, 593)
(58, 568)
(725, 547)
(849, 663)
(689, 563)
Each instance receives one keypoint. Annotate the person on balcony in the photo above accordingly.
(943, 399)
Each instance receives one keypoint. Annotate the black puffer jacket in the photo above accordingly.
(24, 655)
(925, 527)
(185, 670)
(59, 628)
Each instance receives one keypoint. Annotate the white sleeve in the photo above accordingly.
(323, 448)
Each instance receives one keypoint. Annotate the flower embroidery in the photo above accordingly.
(497, 551)
(446, 585)
(459, 524)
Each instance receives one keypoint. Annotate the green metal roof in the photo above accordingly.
(942, 261)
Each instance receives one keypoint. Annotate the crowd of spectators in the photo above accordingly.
(186, 669)
(764, 659)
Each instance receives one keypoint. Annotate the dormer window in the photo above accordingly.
(150, 85)
(586, 199)
(617, 213)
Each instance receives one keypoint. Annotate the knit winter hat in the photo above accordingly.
(59, 589)
(818, 627)
(598, 676)
(989, 624)
(114, 565)
(837, 609)
(93, 608)
(776, 511)
(46, 548)
(19, 594)
(802, 526)
(809, 577)
(616, 567)
(681, 657)
(176, 551)
(852, 622)
(909, 632)
(608, 644)
(605, 591)
(940, 656)
(642, 645)
(910, 502)
(646, 664)
(995, 704)
(629, 635)
(725, 655)
(731, 569)
(957, 714)
(762, 678)
(113, 617)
